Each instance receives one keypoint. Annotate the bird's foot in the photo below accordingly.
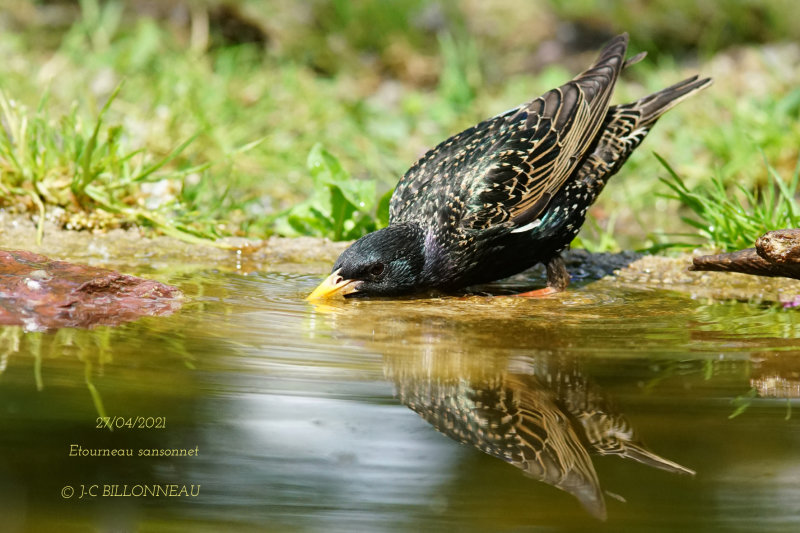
(557, 279)
(539, 293)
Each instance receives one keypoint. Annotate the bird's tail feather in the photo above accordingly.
(656, 104)
(645, 456)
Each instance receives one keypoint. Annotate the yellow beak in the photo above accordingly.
(334, 285)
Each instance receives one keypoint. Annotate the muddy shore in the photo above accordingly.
(132, 251)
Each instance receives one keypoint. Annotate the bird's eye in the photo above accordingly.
(376, 269)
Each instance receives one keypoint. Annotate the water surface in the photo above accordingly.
(321, 418)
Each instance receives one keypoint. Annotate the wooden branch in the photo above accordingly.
(777, 254)
(781, 246)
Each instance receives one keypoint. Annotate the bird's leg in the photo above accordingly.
(557, 278)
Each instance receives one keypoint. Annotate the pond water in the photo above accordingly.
(301, 417)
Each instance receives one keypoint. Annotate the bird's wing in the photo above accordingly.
(541, 145)
(437, 177)
(626, 126)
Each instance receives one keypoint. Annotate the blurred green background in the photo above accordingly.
(297, 108)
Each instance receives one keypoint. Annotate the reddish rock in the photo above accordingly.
(40, 293)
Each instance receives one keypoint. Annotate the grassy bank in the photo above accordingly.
(298, 119)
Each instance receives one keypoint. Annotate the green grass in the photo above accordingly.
(224, 99)
(678, 25)
(86, 172)
(596, 238)
(339, 207)
(376, 83)
(733, 220)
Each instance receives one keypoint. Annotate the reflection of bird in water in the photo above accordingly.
(512, 418)
(544, 425)
(608, 432)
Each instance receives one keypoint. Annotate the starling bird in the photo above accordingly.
(508, 193)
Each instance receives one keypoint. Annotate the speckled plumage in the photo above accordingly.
(513, 190)
(516, 419)
(546, 423)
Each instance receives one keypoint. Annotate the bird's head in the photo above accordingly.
(387, 262)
